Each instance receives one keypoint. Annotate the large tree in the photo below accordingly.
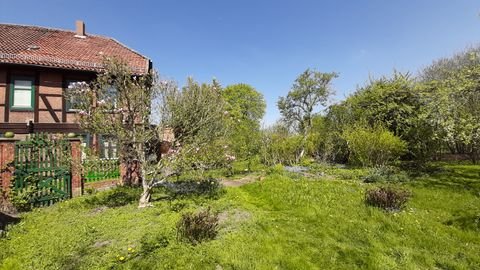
(310, 90)
(246, 108)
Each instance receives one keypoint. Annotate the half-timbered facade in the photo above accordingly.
(36, 66)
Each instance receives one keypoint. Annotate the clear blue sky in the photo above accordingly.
(268, 43)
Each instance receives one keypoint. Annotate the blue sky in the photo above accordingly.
(268, 43)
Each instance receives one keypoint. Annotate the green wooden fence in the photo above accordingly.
(42, 169)
(101, 169)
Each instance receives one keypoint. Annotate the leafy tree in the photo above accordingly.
(246, 108)
(310, 89)
(120, 104)
(117, 104)
(453, 110)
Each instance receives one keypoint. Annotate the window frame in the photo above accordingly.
(68, 103)
(12, 93)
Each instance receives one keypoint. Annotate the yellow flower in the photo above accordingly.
(121, 258)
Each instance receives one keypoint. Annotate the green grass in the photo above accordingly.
(282, 222)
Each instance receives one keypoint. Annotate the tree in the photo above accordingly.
(117, 104)
(310, 89)
(120, 104)
(246, 108)
(453, 110)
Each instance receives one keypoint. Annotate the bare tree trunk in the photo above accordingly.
(302, 146)
(144, 200)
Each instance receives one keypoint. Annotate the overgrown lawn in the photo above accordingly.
(282, 222)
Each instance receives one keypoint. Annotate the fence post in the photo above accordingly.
(7, 155)
(76, 170)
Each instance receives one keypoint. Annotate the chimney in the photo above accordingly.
(80, 29)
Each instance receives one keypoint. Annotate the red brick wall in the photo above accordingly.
(7, 151)
(76, 171)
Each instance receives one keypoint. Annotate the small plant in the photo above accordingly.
(24, 198)
(387, 198)
(277, 168)
(197, 227)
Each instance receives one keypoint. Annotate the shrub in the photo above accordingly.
(279, 147)
(197, 227)
(373, 146)
(277, 168)
(385, 174)
(387, 198)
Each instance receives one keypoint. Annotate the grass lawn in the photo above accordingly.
(282, 222)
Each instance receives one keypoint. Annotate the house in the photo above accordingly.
(37, 65)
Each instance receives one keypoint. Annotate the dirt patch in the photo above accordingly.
(242, 181)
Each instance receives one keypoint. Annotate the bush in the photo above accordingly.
(385, 174)
(373, 146)
(279, 147)
(196, 228)
(278, 168)
(387, 198)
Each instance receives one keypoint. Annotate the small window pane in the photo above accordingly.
(23, 84)
(22, 98)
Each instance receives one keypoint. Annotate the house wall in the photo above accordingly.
(3, 87)
(49, 114)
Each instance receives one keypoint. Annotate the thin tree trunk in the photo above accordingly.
(144, 200)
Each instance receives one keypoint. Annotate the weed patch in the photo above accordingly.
(387, 198)
(198, 227)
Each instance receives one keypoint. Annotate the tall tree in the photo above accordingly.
(310, 90)
(246, 108)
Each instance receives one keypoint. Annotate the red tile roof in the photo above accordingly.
(48, 47)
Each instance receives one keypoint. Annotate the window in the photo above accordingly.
(108, 147)
(110, 96)
(71, 101)
(21, 95)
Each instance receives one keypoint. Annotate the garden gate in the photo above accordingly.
(43, 169)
